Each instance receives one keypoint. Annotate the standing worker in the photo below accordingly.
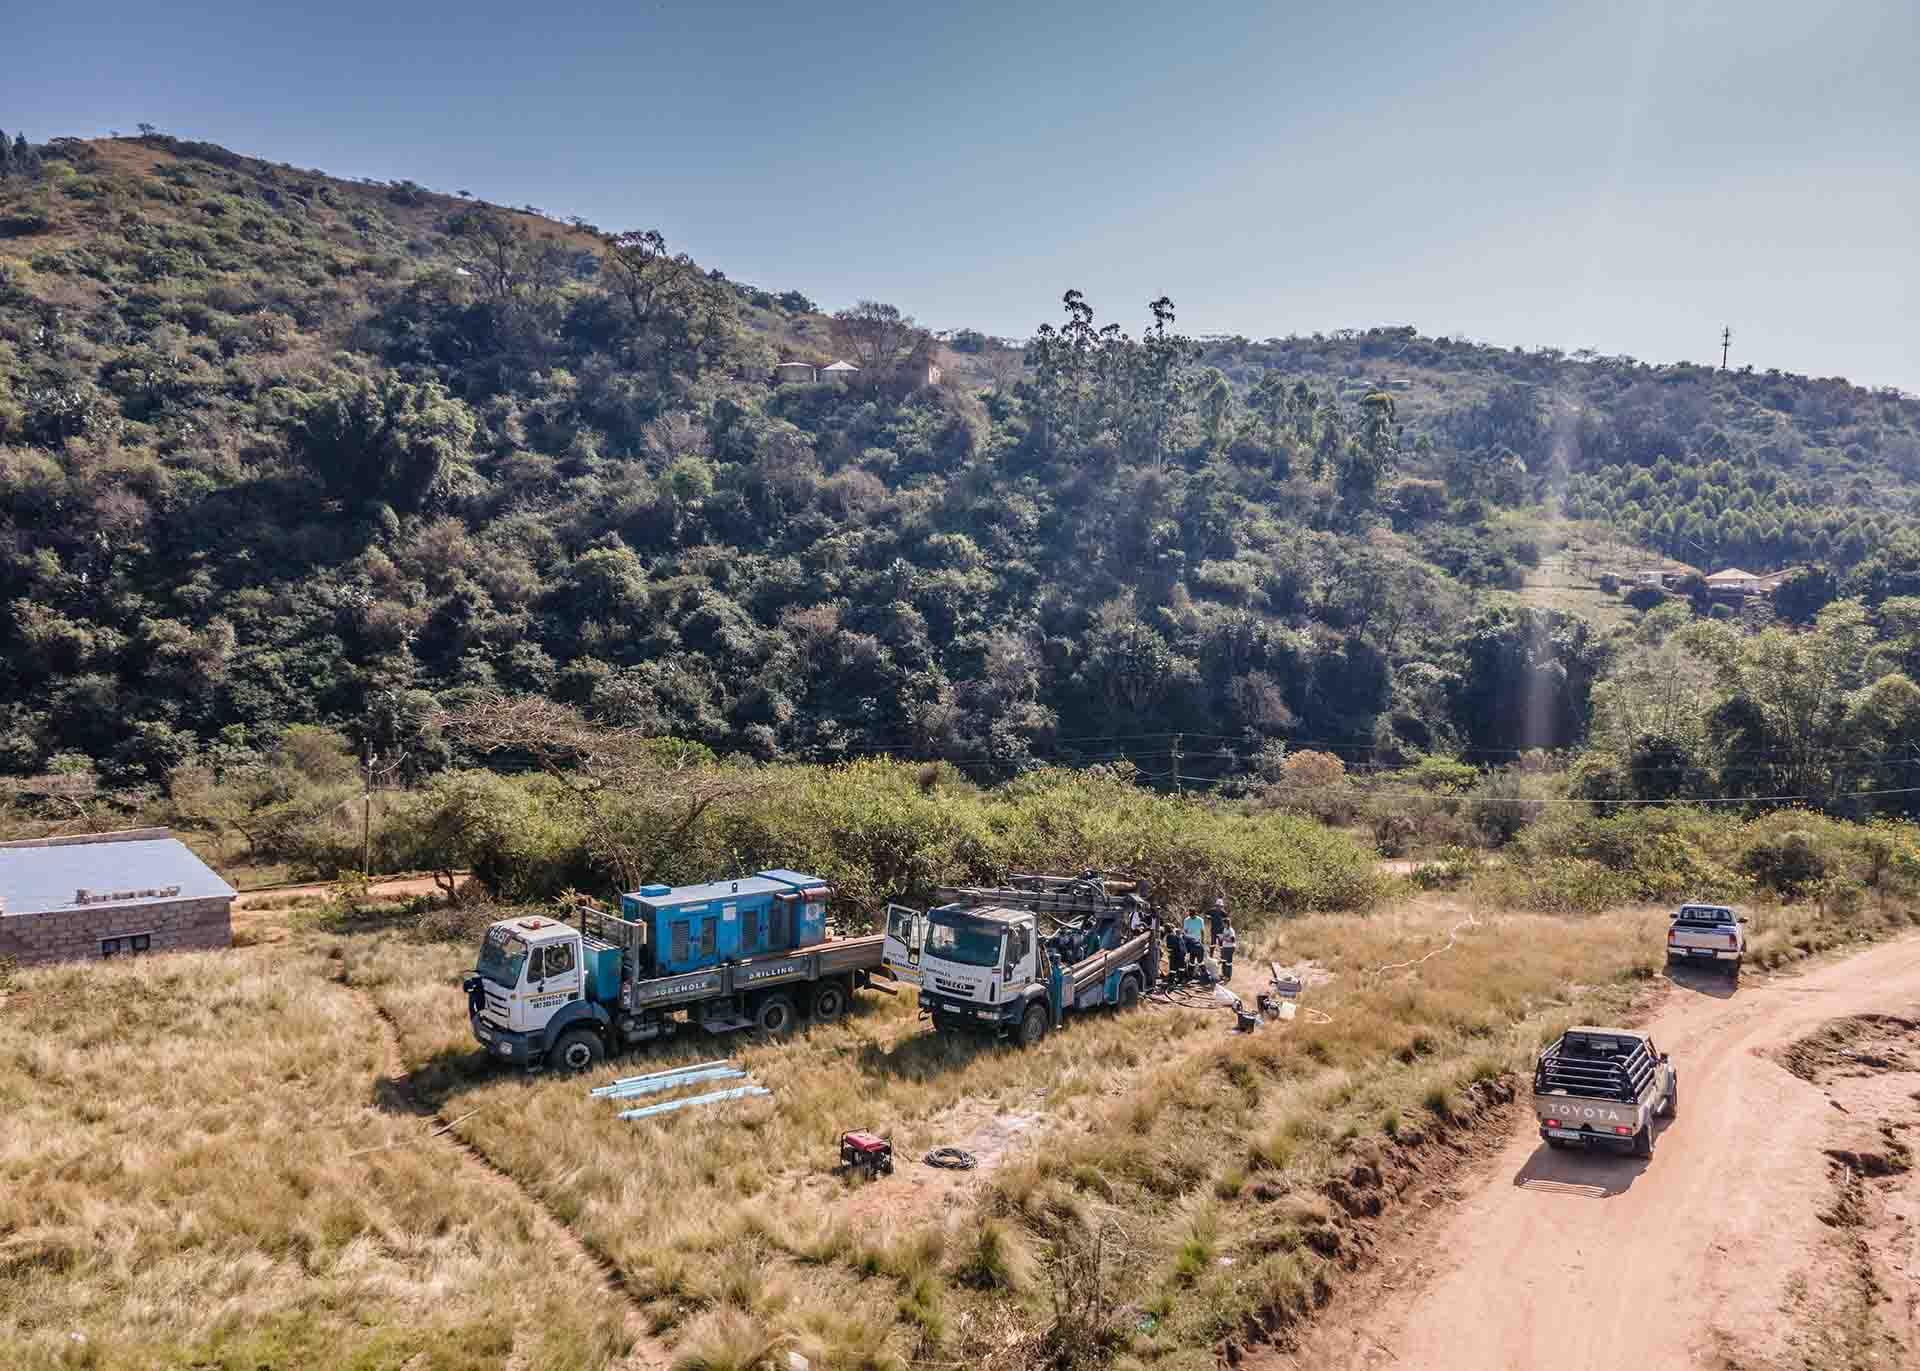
(1196, 931)
(1223, 945)
(1217, 915)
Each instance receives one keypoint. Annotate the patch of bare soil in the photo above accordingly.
(1856, 1305)
(917, 1191)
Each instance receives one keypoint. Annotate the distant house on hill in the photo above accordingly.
(795, 374)
(1733, 579)
(839, 371)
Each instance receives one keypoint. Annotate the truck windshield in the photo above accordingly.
(502, 955)
(966, 941)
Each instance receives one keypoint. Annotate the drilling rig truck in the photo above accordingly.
(984, 963)
(746, 953)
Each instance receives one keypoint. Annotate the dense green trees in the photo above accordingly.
(279, 451)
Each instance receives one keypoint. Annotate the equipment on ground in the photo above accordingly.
(950, 1158)
(1708, 932)
(983, 960)
(746, 953)
(866, 1152)
(1602, 1088)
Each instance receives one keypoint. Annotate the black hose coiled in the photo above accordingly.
(952, 1158)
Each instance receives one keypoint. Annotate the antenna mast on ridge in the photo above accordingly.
(1726, 340)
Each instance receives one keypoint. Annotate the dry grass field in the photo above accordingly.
(186, 1180)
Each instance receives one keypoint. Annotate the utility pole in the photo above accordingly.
(366, 815)
(1726, 341)
(1176, 762)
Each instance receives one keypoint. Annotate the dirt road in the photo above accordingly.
(1698, 1258)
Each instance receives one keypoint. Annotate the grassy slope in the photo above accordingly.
(178, 1188)
(176, 1140)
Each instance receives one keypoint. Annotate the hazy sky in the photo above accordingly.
(1626, 175)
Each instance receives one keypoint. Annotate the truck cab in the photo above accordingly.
(534, 979)
(978, 968)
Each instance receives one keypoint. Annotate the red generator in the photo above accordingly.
(861, 1151)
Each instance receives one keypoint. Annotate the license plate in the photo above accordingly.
(1565, 1133)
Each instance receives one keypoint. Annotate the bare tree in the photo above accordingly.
(508, 261)
(879, 336)
(678, 314)
(607, 772)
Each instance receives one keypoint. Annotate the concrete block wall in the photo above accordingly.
(68, 934)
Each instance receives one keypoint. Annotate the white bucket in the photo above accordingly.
(1288, 1009)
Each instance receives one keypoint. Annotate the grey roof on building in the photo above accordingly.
(38, 880)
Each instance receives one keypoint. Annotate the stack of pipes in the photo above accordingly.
(655, 1082)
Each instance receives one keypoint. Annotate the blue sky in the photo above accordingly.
(1626, 175)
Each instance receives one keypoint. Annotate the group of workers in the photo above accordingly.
(1188, 941)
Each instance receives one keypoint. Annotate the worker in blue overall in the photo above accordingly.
(1196, 937)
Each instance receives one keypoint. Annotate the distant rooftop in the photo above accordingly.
(40, 878)
(840, 366)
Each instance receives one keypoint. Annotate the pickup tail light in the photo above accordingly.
(1673, 935)
(1623, 1132)
(1733, 940)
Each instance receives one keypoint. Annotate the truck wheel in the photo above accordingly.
(829, 1001)
(578, 1050)
(1129, 992)
(1558, 1144)
(1643, 1142)
(1033, 1025)
(775, 1016)
(1672, 1105)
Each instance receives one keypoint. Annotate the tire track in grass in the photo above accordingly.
(647, 1353)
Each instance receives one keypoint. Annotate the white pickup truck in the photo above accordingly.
(1601, 1088)
(1708, 932)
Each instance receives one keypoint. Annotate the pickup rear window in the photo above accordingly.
(1707, 915)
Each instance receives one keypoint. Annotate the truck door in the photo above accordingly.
(1019, 967)
(905, 942)
(553, 979)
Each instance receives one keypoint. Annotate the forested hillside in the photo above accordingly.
(278, 448)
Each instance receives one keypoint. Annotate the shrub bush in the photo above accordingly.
(1789, 863)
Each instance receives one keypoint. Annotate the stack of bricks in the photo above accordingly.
(65, 934)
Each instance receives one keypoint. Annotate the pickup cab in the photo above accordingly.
(1601, 1088)
(1708, 932)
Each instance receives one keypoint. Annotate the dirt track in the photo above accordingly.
(1692, 1259)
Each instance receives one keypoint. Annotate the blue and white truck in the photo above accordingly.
(983, 963)
(748, 953)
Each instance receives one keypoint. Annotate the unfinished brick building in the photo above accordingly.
(109, 895)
